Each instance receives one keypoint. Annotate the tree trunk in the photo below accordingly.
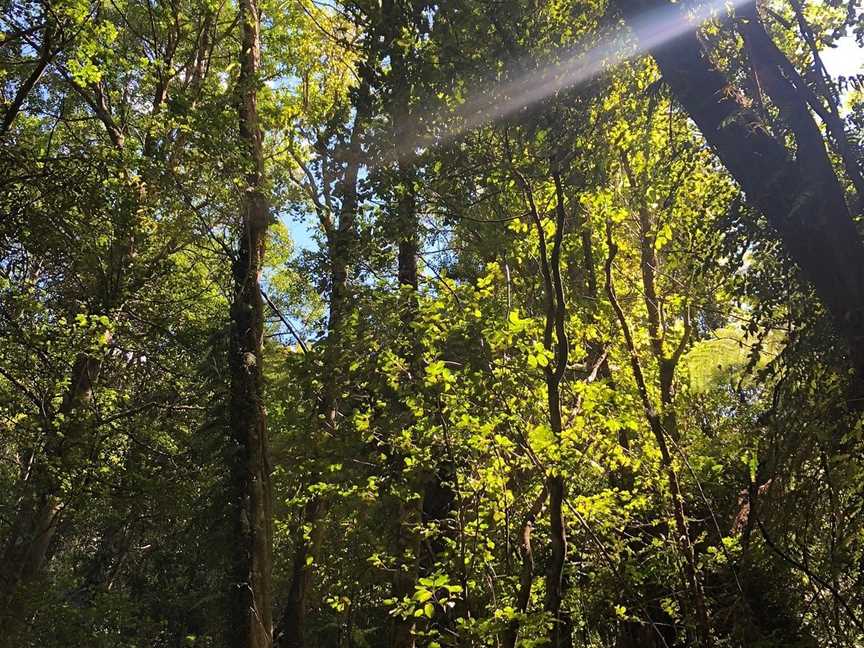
(292, 623)
(251, 622)
(555, 342)
(526, 574)
(340, 241)
(555, 585)
(406, 227)
(698, 611)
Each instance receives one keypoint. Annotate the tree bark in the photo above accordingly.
(292, 623)
(251, 622)
(406, 229)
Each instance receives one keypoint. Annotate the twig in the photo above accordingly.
(287, 324)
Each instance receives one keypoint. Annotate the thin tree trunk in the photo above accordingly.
(526, 574)
(555, 342)
(649, 263)
(699, 612)
(340, 242)
(555, 585)
(251, 622)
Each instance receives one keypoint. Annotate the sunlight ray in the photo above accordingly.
(576, 66)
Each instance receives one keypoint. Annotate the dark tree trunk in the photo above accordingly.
(526, 573)
(555, 342)
(555, 576)
(406, 228)
(292, 623)
(251, 621)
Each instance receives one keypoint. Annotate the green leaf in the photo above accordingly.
(422, 595)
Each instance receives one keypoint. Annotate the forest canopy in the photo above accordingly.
(395, 323)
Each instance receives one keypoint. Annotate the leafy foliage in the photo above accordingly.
(709, 437)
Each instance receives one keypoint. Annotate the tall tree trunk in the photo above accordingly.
(555, 342)
(556, 579)
(340, 241)
(406, 229)
(526, 573)
(251, 622)
(799, 193)
(408, 542)
(699, 611)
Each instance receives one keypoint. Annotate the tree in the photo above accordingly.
(803, 198)
(251, 493)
